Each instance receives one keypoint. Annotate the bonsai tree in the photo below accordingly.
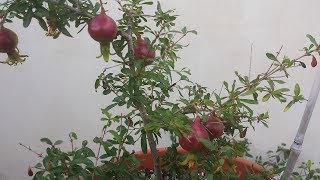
(152, 92)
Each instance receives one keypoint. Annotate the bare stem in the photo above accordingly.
(103, 133)
(29, 148)
(249, 75)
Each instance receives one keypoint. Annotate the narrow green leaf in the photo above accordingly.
(266, 97)
(38, 165)
(73, 135)
(58, 142)
(249, 101)
(64, 31)
(288, 106)
(42, 23)
(207, 143)
(85, 161)
(148, 3)
(27, 18)
(296, 90)
(312, 40)
(144, 146)
(249, 92)
(271, 56)
(279, 81)
(184, 30)
(194, 32)
(116, 136)
(97, 83)
(46, 140)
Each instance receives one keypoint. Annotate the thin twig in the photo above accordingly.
(273, 61)
(29, 148)
(3, 19)
(249, 75)
(103, 133)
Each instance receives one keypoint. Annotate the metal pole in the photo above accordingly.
(298, 140)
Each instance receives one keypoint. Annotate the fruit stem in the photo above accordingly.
(102, 8)
(3, 19)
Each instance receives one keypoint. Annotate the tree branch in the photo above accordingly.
(76, 10)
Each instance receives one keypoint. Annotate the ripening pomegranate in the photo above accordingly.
(103, 29)
(30, 172)
(214, 126)
(142, 50)
(191, 142)
(8, 44)
(314, 61)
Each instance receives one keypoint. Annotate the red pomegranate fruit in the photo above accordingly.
(103, 29)
(30, 172)
(314, 61)
(8, 44)
(8, 40)
(142, 50)
(214, 126)
(191, 142)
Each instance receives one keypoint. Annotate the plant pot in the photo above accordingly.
(242, 164)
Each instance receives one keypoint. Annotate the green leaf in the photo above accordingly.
(184, 30)
(288, 106)
(249, 101)
(85, 161)
(312, 39)
(159, 7)
(207, 143)
(64, 31)
(58, 142)
(271, 84)
(279, 91)
(41, 12)
(46, 140)
(266, 97)
(116, 136)
(42, 23)
(148, 3)
(27, 18)
(84, 152)
(73, 135)
(296, 90)
(209, 176)
(279, 81)
(97, 83)
(194, 32)
(249, 92)
(144, 146)
(110, 106)
(271, 56)
(38, 165)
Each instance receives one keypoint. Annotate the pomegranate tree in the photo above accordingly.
(150, 93)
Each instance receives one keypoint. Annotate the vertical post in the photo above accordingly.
(298, 141)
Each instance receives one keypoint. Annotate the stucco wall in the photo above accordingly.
(52, 93)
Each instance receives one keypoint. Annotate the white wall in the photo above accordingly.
(52, 93)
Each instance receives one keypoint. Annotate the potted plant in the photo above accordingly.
(207, 129)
